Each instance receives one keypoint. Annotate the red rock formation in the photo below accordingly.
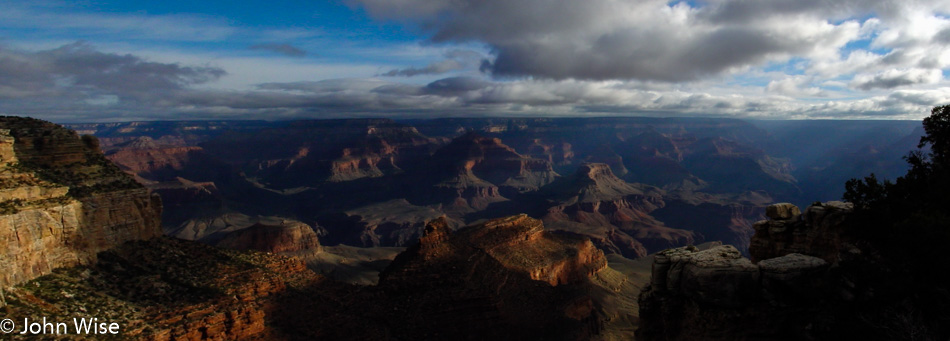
(143, 161)
(520, 243)
(476, 171)
(613, 213)
(288, 238)
(505, 279)
(555, 153)
(488, 280)
(309, 153)
(167, 289)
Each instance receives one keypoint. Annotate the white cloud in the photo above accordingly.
(795, 86)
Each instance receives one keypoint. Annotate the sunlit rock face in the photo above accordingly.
(62, 201)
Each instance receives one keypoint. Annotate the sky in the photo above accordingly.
(125, 60)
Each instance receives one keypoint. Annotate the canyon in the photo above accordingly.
(565, 229)
(98, 250)
(702, 179)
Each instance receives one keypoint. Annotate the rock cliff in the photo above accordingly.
(475, 171)
(806, 280)
(168, 289)
(504, 279)
(313, 153)
(818, 232)
(62, 201)
(717, 294)
(287, 238)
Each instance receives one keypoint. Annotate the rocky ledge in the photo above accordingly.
(800, 279)
(484, 282)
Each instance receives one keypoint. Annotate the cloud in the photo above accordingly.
(943, 37)
(454, 60)
(284, 49)
(795, 86)
(469, 96)
(77, 75)
(605, 39)
(673, 41)
(76, 82)
(896, 78)
(436, 68)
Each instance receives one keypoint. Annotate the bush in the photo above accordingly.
(908, 222)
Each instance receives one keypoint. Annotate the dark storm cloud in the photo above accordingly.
(746, 10)
(896, 78)
(715, 52)
(604, 39)
(645, 40)
(455, 86)
(284, 49)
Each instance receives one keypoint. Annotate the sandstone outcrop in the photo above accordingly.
(287, 238)
(62, 202)
(517, 243)
(488, 280)
(167, 289)
(801, 277)
(818, 232)
(504, 279)
(151, 159)
(717, 294)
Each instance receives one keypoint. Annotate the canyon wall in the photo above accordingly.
(61, 203)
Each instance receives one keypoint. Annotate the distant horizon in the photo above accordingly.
(398, 119)
(113, 60)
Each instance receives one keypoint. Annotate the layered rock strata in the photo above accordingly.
(166, 289)
(613, 213)
(287, 238)
(506, 279)
(61, 202)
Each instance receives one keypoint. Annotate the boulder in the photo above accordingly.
(782, 211)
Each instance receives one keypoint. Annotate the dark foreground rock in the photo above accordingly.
(808, 279)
